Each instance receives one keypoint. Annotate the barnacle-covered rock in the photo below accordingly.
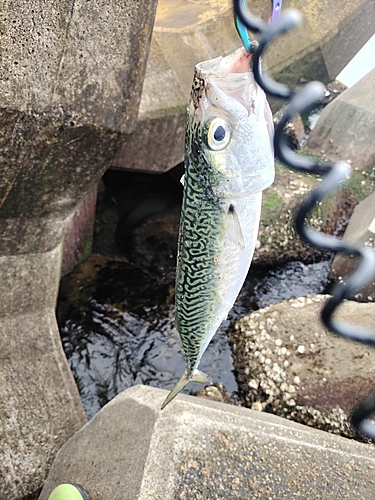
(287, 364)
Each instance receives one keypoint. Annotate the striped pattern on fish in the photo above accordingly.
(228, 162)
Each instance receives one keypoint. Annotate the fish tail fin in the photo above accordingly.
(195, 376)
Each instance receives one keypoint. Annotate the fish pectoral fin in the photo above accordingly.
(234, 230)
(196, 376)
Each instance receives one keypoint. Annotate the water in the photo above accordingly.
(119, 331)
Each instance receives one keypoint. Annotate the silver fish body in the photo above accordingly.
(228, 162)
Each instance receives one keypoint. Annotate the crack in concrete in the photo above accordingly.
(67, 28)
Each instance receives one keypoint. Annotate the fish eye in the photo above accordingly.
(217, 134)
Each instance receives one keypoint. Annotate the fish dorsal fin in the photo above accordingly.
(234, 231)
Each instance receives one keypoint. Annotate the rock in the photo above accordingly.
(217, 392)
(346, 127)
(294, 130)
(154, 242)
(199, 449)
(287, 362)
(360, 230)
(278, 241)
(333, 90)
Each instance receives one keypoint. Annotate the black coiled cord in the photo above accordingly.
(334, 173)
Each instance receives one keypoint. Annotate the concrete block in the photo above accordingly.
(199, 449)
(346, 127)
(79, 235)
(340, 29)
(360, 231)
(71, 77)
(184, 34)
(83, 58)
(188, 32)
(40, 407)
(287, 363)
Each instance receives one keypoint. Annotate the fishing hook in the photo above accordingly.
(334, 173)
(242, 29)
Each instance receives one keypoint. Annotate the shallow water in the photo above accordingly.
(122, 332)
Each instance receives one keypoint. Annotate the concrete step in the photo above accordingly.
(199, 449)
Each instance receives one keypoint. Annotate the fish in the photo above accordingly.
(229, 161)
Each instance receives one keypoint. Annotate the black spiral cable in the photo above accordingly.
(334, 173)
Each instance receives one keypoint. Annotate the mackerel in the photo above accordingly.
(228, 163)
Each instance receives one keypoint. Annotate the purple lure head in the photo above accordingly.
(275, 10)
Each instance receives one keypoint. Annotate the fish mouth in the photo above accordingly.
(231, 75)
(238, 63)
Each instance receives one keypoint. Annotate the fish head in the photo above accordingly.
(230, 125)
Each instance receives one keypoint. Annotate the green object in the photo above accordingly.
(69, 492)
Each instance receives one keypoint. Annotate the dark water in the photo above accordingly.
(120, 330)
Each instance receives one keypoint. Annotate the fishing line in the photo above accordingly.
(301, 100)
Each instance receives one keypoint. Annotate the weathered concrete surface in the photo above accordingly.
(79, 235)
(346, 127)
(71, 81)
(199, 449)
(287, 363)
(339, 28)
(360, 231)
(184, 34)
(187, 32)
(81, 58)
(40, 407)
(71, 77)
